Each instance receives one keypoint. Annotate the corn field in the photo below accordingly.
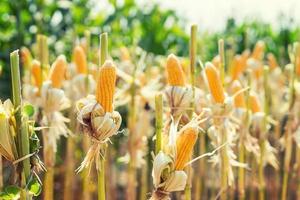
(119, 122)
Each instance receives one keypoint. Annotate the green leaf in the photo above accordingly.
(10, 193)
(28, 109)
(34, 188)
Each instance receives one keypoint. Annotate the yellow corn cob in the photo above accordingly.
(175, 73)
(254, 104)
(36, 72)
(58, 71)
(297, 64)
(272, 61)
(237, 67)
(79, 58)
(26, 57)
(244, 57)
(239, 100)
(106, 86)
(258, 72)
(214, 82)
(216, 61)
(258, 51)
(184, 147)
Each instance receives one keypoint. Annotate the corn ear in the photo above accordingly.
(184, 147)
(272, 62)
(175, 73)
(239, 100)
(254, 104)
(36, 72)
(237, 67)
(26, 57)
(58, 71)
(106, 86)
(258, 51)
(79, 58)
(214, 83)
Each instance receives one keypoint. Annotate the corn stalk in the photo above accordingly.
(22, 137)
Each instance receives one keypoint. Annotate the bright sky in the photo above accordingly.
(211, 14)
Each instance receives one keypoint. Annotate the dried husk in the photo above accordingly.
(52, 101)
(179, 99)
(7, 145)
(165, 178)
(99, 125)
(223, 125)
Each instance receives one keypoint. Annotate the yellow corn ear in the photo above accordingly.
(239, 100)
(254, 103)
(58, 71)
(175, 73)
(184, 147)
(106, 86)
(214, 83)
(216, 61)
(258, 72)
(272, 62)
(79, 58)
(297, 65)
(36, 72)
(258, 51)
(237, 67)
(26, 57)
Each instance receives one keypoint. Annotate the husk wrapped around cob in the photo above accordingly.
(168, 168)
(259, 130)
(223, 128)
(8, 148)
(178, 94)
(52, 100)
(96, 115)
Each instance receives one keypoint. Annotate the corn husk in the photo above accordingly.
(179, 99)
(99, 125)
(52, 101)
(7, 145)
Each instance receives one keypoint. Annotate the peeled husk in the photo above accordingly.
(165, 178)
(224, 125)
(99, 125)
(7, 145)
(52, 101)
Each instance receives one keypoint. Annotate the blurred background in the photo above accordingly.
(158, 27)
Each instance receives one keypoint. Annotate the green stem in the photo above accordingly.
(87, 35)
(86, 194)
(48, 183)
(261, 179)
(158, 122)
(103, 48)
(69, 170)
(241, 176)
(193, 51)
(288, 133)
(222, 60)
(101, 171)
(101, 178)
(43, 53)
(144, 182)
(224, 166)
(298, 171)
(1, 173)
(22, 137)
